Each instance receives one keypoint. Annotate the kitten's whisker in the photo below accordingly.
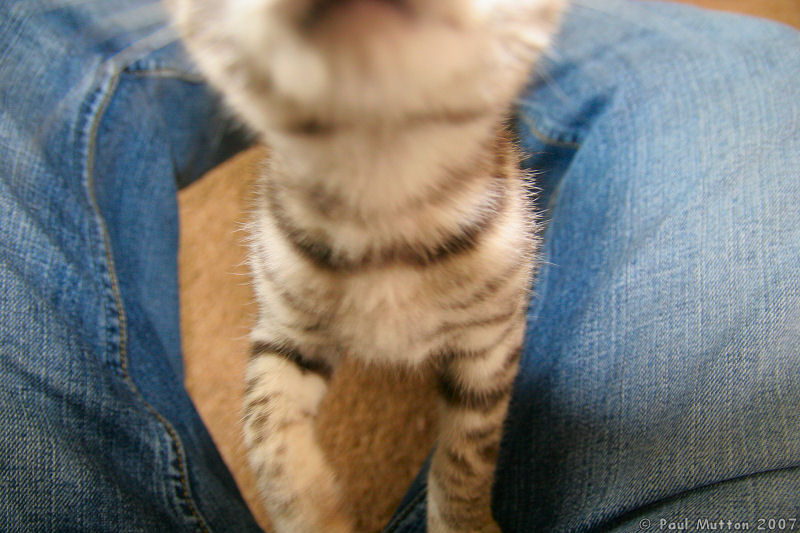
(668, 25)
(70, 100)
(549, 57)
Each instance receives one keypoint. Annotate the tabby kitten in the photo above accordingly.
(392, 224)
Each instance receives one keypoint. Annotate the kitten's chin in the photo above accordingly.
(320, 62)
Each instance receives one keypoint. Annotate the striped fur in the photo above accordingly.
(392, 223)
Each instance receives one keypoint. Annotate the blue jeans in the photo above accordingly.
(660, 381)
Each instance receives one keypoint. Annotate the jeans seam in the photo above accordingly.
(165, 72)
(108, 87)
(544, 137)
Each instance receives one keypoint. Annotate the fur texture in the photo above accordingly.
(393, 223)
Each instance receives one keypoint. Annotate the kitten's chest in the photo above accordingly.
(387, 317)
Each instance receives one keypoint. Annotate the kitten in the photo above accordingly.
(393, 222)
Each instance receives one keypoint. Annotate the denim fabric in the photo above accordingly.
(660, 378)
(100, 115)
(660, 381)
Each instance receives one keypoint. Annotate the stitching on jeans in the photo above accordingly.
(165, 72)
(547, 139)
(110, 89)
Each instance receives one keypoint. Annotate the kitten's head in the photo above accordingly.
(281, 63)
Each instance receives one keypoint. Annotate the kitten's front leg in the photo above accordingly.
(474, 390)
(281, 401)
